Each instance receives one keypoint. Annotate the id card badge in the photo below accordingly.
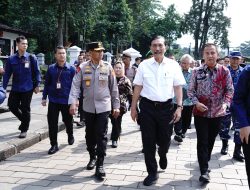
(58, 85)
(26, 64)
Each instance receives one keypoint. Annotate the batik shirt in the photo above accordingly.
(213, 88)
(125, 92)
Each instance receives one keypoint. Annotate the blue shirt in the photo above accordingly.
(22, 68)
(235, 74)
(186, 100)
(241, 99)
(63, 75)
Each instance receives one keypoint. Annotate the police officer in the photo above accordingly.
(100, 94)
(26, 79)
(57, 87)
(235, 71)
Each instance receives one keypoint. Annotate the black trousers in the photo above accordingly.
(182, 125)
(206, 129)
(246, 151)
(19, 105)
(53, 115)
(96, 133)
(156, 130)
(116, 127)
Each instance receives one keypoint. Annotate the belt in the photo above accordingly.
(157, 103)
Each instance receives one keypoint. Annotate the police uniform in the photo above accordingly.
(25, 71)
(100, 92)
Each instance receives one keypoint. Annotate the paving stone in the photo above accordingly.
(34, 182)
(34, 169)
(8, 186)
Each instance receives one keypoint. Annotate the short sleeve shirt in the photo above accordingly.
(158, 80)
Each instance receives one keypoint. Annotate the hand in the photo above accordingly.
(72, 109)
(36, 90)
(201, 107)
(244, 134)
(134, 114)
(1, 71)
(44, 102)
(77, 103)
(224, 109)
(116, 113)
(176, 116)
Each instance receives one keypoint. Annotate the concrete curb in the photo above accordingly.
(13, 147)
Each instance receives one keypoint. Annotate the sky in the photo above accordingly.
(238, 10)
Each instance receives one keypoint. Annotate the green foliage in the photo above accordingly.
(116, 22)
(205, 21)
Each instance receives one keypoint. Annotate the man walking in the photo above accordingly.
(211, 91)
(100, 95)
(26, 79)
(57, 87)
(155, 81)
(241, 103)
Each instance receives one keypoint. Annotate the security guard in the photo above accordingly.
(26, 79)
(57, 87)
(100, 92)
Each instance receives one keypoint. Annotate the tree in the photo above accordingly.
(206, 20)
(245, 48)
(148, 22)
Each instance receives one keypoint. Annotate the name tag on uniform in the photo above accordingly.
(58, 85)
(103, 77)
(87, 83)
(26, 64)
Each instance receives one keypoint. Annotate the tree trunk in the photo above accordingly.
(197, 31)
(60, 24)
(206, 25)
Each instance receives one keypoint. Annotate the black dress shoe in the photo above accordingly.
(114, 144)
(205, 178)
(99, 172)
(91, 164)
(22, 135)
(178, 138)
(163, 162)
(237, 155)
(150, 179)
(53, 149)
(71, 139)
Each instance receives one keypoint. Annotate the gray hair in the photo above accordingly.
(188, 57)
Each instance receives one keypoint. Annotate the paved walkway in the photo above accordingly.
(34, 169)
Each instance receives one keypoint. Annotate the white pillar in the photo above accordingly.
(73, 51)
(40, 59)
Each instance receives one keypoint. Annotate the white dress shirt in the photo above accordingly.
(158, 80)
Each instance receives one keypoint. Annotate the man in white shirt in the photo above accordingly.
(156, 81)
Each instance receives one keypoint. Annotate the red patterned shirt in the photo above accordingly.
(211, 87)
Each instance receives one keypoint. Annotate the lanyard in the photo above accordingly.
(58, 78)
